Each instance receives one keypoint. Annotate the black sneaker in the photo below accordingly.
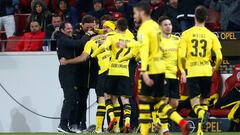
(83, 127)
(64, 129)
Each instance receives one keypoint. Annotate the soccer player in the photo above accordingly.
(169, 45)
(119, 81)
(194, 62)
(103, 62)
(152, 71)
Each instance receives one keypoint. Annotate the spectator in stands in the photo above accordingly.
(98, 10)
(7, 10)
(229, 9)
(40, 13)
(123, 10)
(156, 8)
(50, 43)
(32, 41)
(170, 10)
(185, 10)
(67, 12)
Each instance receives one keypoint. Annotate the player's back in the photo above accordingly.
(198, 42)
(149, 35)
(116, 67)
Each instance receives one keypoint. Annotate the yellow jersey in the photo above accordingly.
(151, 54)
(116, 68)
(195, 49)
(170, 47)
(103, 58)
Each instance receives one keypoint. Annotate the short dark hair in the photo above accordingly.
(55, 15)
(97, 21)
(162, 18)
(201, 14)
(63, 25)
(107, 17)
(122, 24)
(34, 21)
(143, 6)
(88, 19)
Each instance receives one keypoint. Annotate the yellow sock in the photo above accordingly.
(127, 113)
(199, 111)
(164, 122)
(101, 110)
(170, 112)
(144, 118)
(109, 108)
(117, 114)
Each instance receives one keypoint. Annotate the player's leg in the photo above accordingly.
(193, 85)
(126, 92)
(117, 113)
(109, 106)
(127, 113)
(144, 107)
(101, 109)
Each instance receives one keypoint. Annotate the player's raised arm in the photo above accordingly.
(133, 53)
(217, 50)
(106, 44)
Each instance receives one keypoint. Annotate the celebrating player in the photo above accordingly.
(119, 81)
(194, 62)
(152, 71)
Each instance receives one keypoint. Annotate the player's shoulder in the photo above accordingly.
(174, 37)
(111, 33)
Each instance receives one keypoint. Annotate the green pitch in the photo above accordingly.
(225, 133)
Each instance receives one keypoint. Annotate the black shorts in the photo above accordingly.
(119, 86)
(101, 84)
(156, 91)
(199, 86)
(171, 88)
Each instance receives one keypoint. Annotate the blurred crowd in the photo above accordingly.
(224, 15)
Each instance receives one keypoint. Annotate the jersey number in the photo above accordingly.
(195, 47)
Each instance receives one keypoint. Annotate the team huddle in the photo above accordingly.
(162, 55)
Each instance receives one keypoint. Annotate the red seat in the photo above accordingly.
(12, 43)
(233, 80)
(21, 23)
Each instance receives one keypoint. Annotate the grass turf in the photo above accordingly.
(224, 133)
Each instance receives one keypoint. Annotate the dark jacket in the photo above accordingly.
(186, 8)
(7, 7)
(67, 48)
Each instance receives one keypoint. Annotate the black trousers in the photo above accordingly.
(78, 114)
(69, 103)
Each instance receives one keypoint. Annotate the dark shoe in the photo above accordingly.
(75, 128)
(64, 129)
(83, 127)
